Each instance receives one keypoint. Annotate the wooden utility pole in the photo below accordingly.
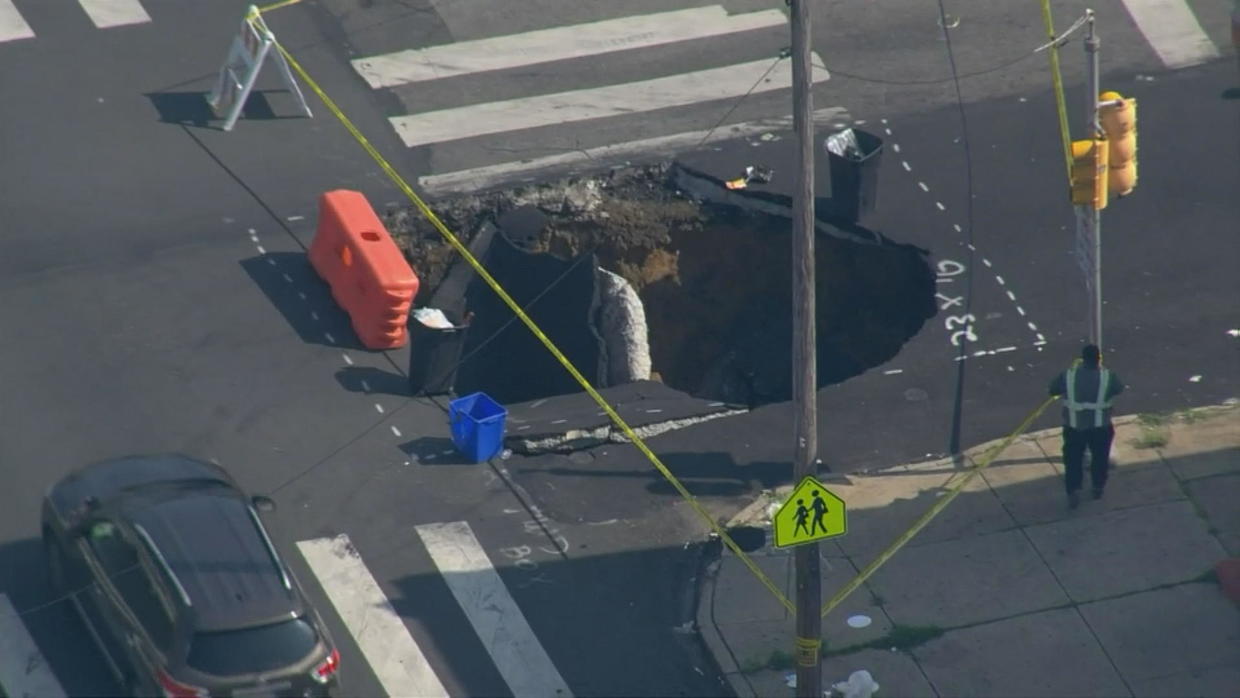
(804, 351)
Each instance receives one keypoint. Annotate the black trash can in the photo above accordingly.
(435, 356)
(854, 156)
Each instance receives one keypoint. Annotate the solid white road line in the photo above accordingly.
(482, 177)
(12, 24)
(558, 43)
(520, 658)
(1173, 31)
(23, 670)
(395, 658)
(595, 103)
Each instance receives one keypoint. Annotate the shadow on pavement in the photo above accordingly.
(434, 450)
(632, 600)
(365, 379)
(52, 622)
(192, 108)
(284, 277)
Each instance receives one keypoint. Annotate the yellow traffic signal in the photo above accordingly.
(1089, 173)
(1119, 123)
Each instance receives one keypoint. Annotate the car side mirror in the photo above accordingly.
(79, 518)
(263, 503)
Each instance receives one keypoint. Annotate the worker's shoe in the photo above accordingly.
(1074, 500)
(1097, 493)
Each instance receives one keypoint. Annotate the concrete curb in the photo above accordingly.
(713, 639)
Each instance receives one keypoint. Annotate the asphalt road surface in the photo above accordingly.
(154, 295)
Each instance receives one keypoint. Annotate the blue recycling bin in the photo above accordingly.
(477, 424)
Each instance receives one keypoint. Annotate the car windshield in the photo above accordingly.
(252, 650)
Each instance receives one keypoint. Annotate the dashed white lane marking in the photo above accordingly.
(365, 610)
(1000, 350)
(287, 278)
(366, 386)
(497, 619)
(940, 205)
(999, 278)
(559, 421)
(1234, 332)
(1020, 310)
(653, 411)
(395, 430)
(971, 247)
(893, 371)
(1011, 296)
(957, 227)
(23, 670)
(985, 261)
(271, 261)
(906, 166)
(1033, 327)
(314, 315)
(379, 408)
(301, 295)
(888, 131)
(261, 250)
(329, 337)
(895, 147)
(923, 186)
(293, 219)
(347, 360)
(1173, 31)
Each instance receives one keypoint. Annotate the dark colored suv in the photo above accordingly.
(176, 579)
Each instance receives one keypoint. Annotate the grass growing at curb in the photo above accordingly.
(777, 660)
(1154, 433)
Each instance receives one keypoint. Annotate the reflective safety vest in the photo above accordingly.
(1099, 405)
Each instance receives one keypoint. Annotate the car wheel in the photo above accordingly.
(55, 561)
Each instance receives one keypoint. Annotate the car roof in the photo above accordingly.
(209, 538)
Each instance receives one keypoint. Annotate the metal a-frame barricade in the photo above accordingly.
(250, 48)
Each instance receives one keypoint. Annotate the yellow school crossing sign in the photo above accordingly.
(811, 513)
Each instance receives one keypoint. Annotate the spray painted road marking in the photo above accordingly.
(558, 44)
(23, 670)
(505, 633)
(1173, 31)
(381, 635)
(115, 13)
(12, 25)
(625, 99)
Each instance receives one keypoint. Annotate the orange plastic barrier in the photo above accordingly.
(369, 277)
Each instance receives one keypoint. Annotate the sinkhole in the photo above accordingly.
(714, 282)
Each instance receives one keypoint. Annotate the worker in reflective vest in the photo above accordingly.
(1087, 390)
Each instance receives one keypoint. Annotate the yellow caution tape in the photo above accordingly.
(277, 5)
(499, 290)
(1057, 81)
(939, 506)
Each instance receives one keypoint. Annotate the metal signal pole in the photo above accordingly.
(804, 352)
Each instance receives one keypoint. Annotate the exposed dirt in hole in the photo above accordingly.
(715, 280)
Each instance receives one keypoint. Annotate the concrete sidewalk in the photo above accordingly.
(1008, 592)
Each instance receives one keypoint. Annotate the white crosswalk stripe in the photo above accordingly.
(24, 672)
(597, 41)
(504, 632)
(1173, 32)
(395, 658)
(115, 13)
(386, 643)
(104, 14)
(558, 44)
(596, 103)
(12, 24)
